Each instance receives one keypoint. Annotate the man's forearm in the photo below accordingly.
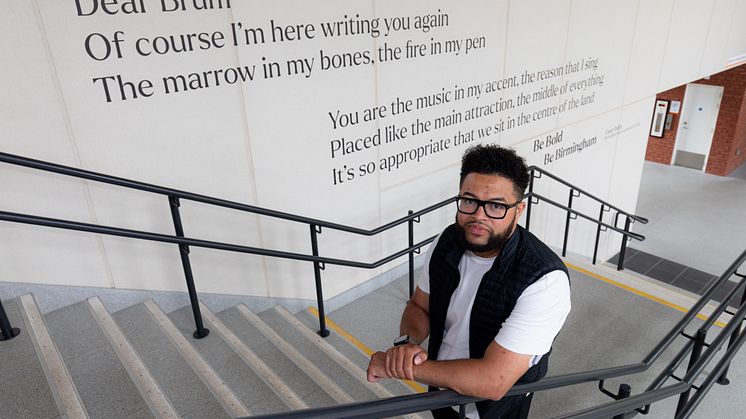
(415, 322)
(465, 376)
(489, 377)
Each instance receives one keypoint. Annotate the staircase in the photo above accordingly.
(82, 361)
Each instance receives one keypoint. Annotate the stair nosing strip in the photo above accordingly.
(333, 353)
(225, 396)
(151, 393)
(253, 361)
(60, 382)
(338, 357)
(330, 387)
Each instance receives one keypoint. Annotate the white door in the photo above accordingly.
(699, 115)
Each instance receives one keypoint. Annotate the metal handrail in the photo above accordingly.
(207, 244)
(160, 190)
(576, 192)
(174, 196)
(589, 195)
(416, 403)
(413, 403)
(635, 236)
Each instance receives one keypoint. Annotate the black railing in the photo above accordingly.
(6, 330)
(701, 352)
(575, 192)
(175, 197)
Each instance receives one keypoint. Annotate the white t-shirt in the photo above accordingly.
(530, 329)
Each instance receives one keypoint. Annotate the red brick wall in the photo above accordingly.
(730, 132)
(722, 157)
(739, 135)
(660, 150)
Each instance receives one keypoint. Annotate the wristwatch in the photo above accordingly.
(404, 339)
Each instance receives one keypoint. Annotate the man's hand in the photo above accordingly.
(400, 360)
(377, 367)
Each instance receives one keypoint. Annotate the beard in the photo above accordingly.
(496, 242)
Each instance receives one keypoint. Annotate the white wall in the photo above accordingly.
(268, 141)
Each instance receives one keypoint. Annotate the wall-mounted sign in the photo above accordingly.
(675, 106)
(659, 118)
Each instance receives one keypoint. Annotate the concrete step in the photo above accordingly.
(151, 392)
(334, 364)
(225, 396)
(359, 357)
(190, 397)
(22, 370)
(247, 384)
(314, 387)
(355, 364)
(103, 383)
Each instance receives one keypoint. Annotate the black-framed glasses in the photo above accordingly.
(492, 209)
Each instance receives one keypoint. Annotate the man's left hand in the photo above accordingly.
(377, 367)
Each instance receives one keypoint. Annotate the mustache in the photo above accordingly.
(479, 223)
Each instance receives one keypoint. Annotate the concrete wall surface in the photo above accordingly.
(348, 111)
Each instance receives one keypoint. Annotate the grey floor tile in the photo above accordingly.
(670, 266)
(663, 275)
(641, 262)
(666, 271)
(627, 254)
(697, 275)
(688, 284)
(722, 292)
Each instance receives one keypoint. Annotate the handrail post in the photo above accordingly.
(723, 379)
(598, 232)
(201, 331)
(624, 392)
(530, 198)
(567, 222)
(699, 344)
(623, 250)
(323, 331)
(8, 332)
(410, 224)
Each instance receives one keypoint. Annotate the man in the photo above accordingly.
(492, 297)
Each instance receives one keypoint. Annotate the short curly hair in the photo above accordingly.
(491, 159)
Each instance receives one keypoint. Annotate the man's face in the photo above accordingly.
(483, 235)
